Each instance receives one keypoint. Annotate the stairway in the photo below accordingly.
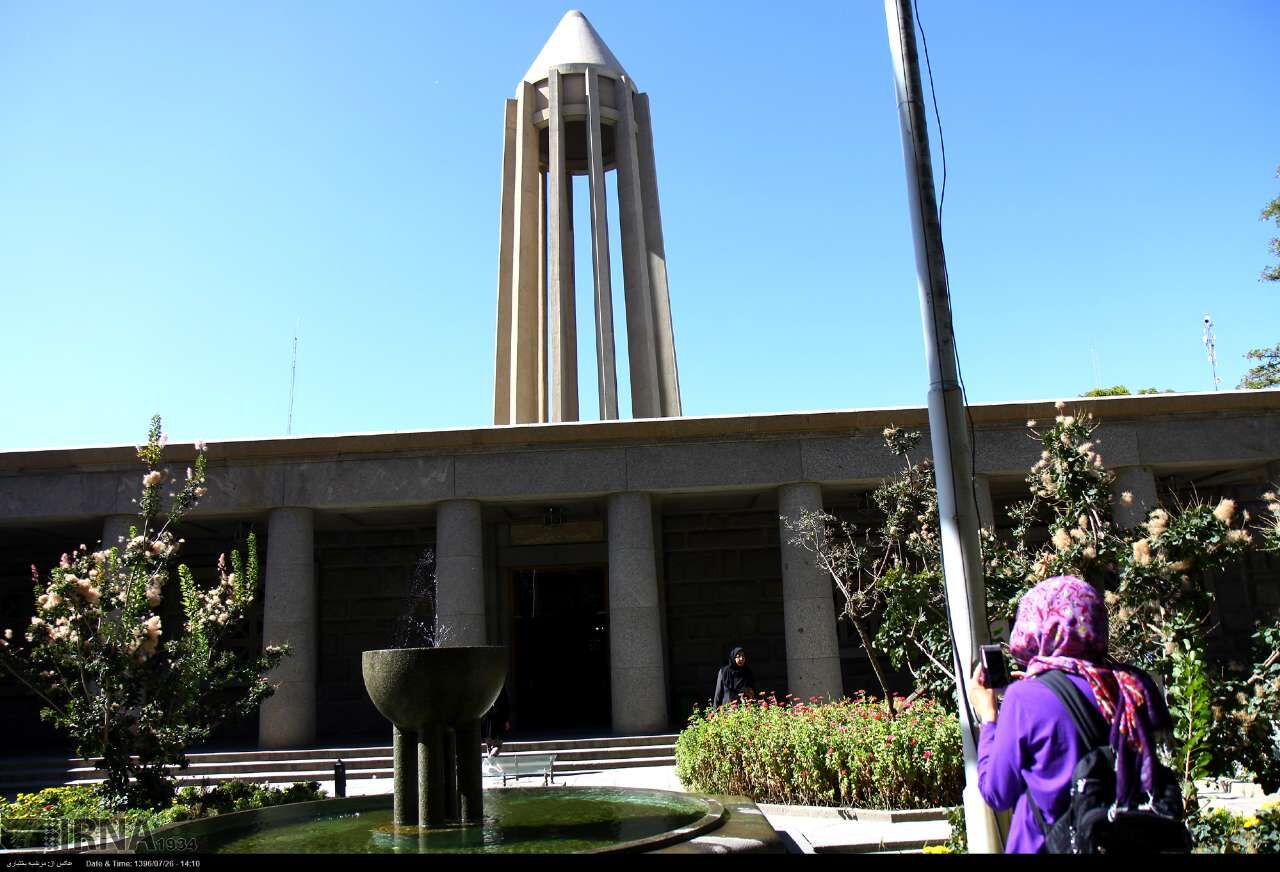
(574, 755)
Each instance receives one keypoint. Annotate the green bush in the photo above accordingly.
(846, 753)
(57, 815)
(1220, 832)
(238, 795)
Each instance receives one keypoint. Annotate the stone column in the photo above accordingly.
(526, 292)
(986, 508)
(460, 573)
(637, 676)
(809, 616)
(606, 362)
(506, 243)
(646, 399)
(664, 334)
(404, 785)
(288, 718)
(563, 316)
(1141, 483)
(1272, 475)
(114, 527)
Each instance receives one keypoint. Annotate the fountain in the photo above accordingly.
(434, 698)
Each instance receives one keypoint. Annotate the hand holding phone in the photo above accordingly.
(995, 670)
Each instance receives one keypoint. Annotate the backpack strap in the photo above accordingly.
(1089, 722)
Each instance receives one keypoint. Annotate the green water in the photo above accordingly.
(522, 820)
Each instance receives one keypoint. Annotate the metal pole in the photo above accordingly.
(957, 508)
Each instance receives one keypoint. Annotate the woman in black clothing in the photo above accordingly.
(734, 680)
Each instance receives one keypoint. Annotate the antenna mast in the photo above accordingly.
(293, 374)
(1208, 343)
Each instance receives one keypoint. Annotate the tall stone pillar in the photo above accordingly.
(290, 616)
(560, 292)
(460, 573)
(606, 359)
(986, 507)
(637, 675)
(1141, 483)
(114, 528)
(809, 616)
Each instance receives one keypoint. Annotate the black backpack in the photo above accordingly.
(1094, 823)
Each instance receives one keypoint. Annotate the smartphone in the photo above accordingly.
(994, 666)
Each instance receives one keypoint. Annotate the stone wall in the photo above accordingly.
(364, 581)
(723, 575)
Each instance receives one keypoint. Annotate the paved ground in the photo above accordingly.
(805, 830)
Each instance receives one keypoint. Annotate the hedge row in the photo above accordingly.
(846, 753)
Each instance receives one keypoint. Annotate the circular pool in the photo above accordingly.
(518, 820)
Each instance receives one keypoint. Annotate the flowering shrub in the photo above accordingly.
(846, 753)
(60, 815)
(95, 654)
(240, 795)
(1221, 832)
(1155, 577)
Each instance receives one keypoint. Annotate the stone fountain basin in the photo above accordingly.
(416, 687)
(728, 824)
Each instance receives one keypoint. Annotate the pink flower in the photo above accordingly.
(928, 754)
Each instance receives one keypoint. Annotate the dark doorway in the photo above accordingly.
(561, 659)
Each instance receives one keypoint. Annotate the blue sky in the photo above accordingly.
(181, 184)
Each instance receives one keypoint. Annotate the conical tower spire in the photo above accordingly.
(577, 113)
(574, 41)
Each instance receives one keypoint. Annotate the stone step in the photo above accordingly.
(545, 745)
(575, 766)
(14, 765)
(316, 764)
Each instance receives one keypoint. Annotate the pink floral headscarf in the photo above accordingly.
(1062, 624)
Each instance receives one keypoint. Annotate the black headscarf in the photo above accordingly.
(733, 680)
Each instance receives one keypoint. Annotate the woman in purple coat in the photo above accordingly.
(1029, 743)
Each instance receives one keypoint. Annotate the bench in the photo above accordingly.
(517, 766)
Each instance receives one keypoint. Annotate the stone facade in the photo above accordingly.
(678, 517)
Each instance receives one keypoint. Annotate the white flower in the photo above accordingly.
(1060, 405)
(200, 445)
(1127, 498)
(153, 478)
(1061, 540)
(1225, 511)
(8, 634)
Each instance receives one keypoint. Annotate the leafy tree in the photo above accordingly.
(1266, 373)
(1121, 391)
(95, 656)
(1154, 575)
(863, 567)
(1272, 213)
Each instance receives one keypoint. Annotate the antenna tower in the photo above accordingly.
(1208, 343)
(293, 374)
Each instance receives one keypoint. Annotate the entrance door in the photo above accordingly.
(561, 657)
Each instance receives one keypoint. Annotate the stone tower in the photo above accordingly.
(578, 113)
